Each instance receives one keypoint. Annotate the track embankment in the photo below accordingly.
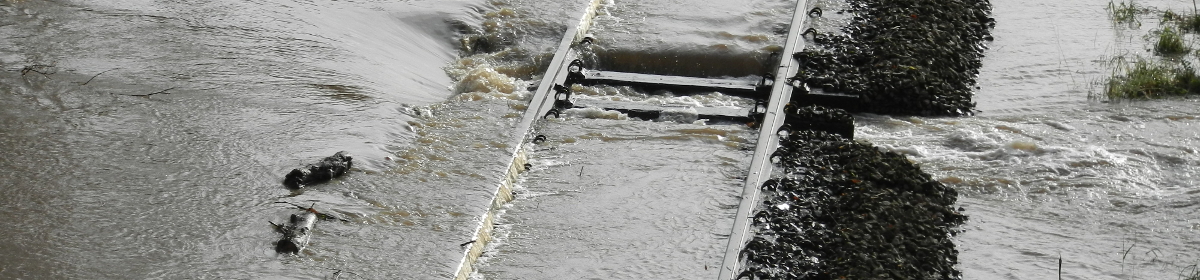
(836, 208)
(846, 210)
(907, 57)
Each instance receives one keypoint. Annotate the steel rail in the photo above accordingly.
(541, 102)
(768, 140)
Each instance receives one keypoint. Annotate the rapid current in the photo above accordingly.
(152, 138)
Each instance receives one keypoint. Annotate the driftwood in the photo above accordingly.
(296, 233)
(147, 95)
(45, 70)
(328, 168)
(97, 75)
(310, 209)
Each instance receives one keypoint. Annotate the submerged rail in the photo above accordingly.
(538, 106)
(545, 97)
(768, 140)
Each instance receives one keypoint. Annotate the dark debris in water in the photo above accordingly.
(846, 210)
(328, 168)
(911, 57)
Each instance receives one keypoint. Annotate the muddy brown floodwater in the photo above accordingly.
(101, 183)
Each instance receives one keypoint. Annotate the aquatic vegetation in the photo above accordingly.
(1124, 13)
(1144, 79)
(1190, 23)
(1185, 23)
(1191, 272)
(1170, 42)
(1150, 78)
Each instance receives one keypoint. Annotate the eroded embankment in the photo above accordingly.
(912, 57)
(846, 210)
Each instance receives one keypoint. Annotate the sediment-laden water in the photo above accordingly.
(612, 199)
(103, 183)
(1045, 171)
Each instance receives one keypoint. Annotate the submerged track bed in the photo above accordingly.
(596, 228)
(552, 98)
(614, 199)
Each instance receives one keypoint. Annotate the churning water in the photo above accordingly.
(103, 183)
(1045, 171)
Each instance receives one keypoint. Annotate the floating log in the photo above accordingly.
(296, 233)
(328, 168)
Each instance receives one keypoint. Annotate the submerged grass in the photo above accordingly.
(1145, 79)
(1169, 74)
(1185, 23)
(1191, 272)
(1190, 23)
(1170, 43)
(1124, 13)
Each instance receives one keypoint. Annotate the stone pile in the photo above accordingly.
(846, 210)
(910, 57)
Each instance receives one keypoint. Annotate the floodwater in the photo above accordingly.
(622, 200)
(1045, 171)
(103, 182)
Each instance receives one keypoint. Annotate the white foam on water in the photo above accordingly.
(679, 115)
(595, 113)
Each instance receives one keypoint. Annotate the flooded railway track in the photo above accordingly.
(772, 93)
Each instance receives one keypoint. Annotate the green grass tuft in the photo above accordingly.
(1170, 42)
(1185, 23)
(1190, 23)
(1124, 13)
(1150, 80)
(1171, 74)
